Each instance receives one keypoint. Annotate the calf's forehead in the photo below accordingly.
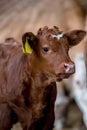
(46, 30)
(45, 34)
(52, 37)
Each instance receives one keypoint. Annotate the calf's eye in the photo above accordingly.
(45, 49)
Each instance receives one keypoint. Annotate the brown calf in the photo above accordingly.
(28, 73)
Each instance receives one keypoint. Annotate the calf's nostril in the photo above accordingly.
(67, 67)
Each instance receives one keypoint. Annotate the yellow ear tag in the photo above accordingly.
(27, 49)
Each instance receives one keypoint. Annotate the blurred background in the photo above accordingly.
(19, 16)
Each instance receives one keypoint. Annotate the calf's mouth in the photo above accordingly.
(62, 76)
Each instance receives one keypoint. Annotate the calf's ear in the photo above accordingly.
(28, 42)
(75, 37)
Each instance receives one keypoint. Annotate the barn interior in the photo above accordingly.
(19, 16)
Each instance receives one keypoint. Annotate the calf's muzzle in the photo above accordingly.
(69, 68)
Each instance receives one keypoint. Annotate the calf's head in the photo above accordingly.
(50, 48)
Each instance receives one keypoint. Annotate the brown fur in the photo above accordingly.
(27, 81)
(85, 56)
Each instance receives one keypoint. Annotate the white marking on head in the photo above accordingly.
(57, 36)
